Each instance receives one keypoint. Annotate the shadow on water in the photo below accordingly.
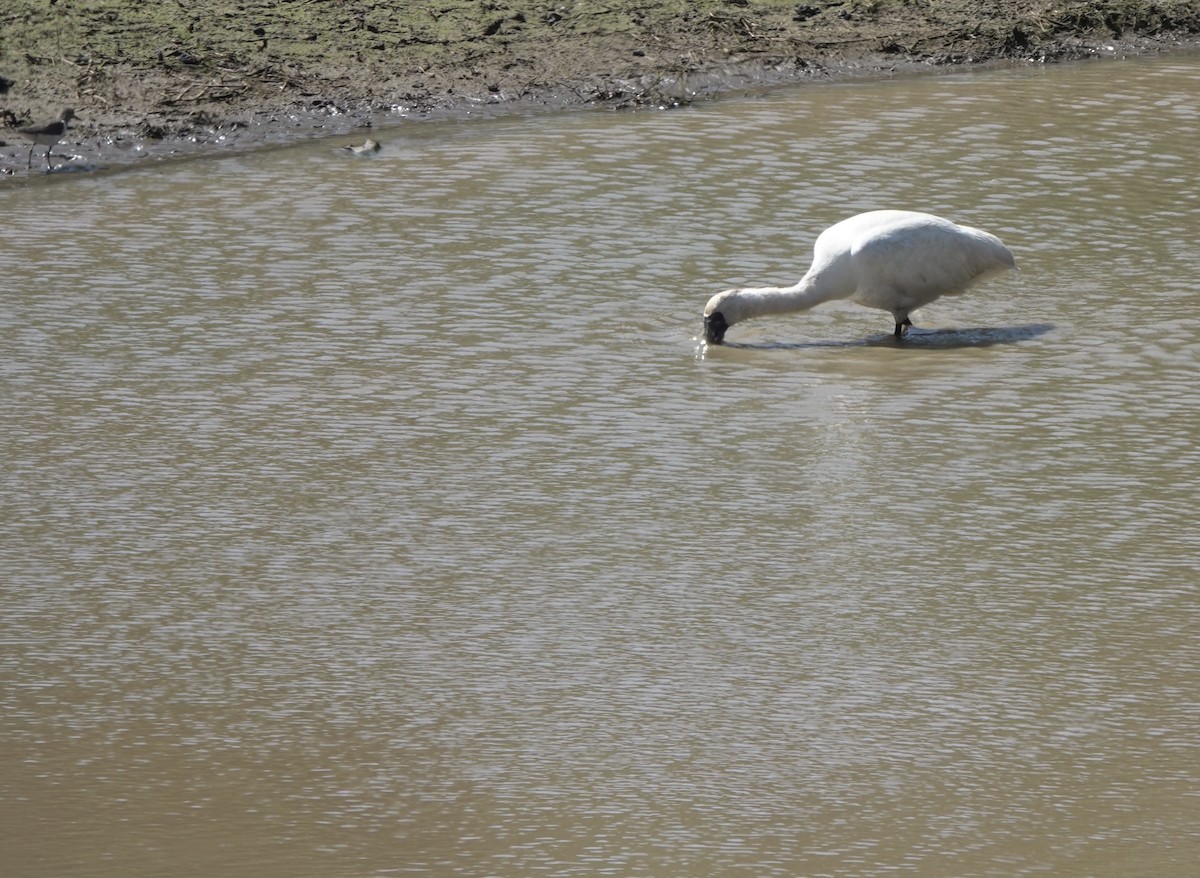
(922, 339)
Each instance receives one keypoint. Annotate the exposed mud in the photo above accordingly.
(193, 76)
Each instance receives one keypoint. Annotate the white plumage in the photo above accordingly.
(895, 260)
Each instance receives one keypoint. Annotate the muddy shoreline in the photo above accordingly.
(155, 81)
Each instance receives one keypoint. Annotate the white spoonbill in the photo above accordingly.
(895, 260)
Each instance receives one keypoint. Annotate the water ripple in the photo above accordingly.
(387, 516)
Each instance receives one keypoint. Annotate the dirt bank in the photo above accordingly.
(186, 76)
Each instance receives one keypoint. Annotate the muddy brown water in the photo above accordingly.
(385, 516)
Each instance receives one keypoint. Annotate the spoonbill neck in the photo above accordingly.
(763, 301)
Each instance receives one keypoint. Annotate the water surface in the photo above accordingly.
(372, 517)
